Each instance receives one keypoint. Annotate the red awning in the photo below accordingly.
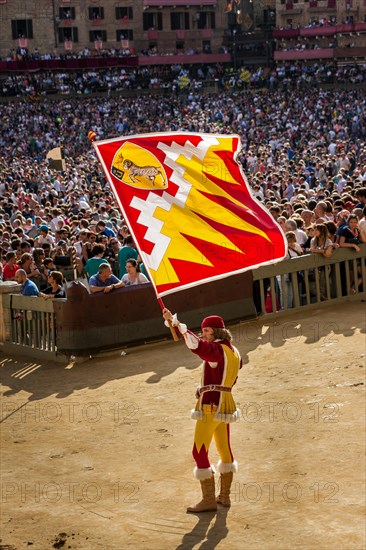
(155, 3)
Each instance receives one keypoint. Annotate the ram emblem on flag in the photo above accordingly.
(189, 207)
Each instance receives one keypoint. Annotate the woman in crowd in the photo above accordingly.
(133, 275)
(55, 290)
(351, 235)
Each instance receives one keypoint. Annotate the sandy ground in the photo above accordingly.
(97, 455)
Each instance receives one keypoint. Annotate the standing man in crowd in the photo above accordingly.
(215, 408)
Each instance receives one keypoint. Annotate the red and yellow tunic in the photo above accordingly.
(221, 364)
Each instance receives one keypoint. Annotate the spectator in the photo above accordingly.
(28, 287)
(133, 275)
(321, 244)
(104, 230)
(300, 235)
(104, 280)
(55, 290)
(27, 264)
(96, 260)
(127, 251)
(351, 235)
(44, 237)
(10, 267)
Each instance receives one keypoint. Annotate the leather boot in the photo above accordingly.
(225, 484)
(208, 502)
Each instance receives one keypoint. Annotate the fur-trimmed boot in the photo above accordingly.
(226, 478)
(207, 480)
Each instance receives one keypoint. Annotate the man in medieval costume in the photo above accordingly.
(215, 408)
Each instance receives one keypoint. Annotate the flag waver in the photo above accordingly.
(189, 207)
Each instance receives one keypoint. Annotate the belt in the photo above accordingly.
(213, 387)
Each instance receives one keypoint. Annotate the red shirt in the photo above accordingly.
(9, 271)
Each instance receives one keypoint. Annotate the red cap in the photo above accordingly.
(214, 321)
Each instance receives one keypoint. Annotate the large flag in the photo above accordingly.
(189, 207)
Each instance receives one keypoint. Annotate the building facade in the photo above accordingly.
(320, 30)
(243, 32)
(154, 26)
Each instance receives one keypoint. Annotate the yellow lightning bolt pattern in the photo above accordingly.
(178, 220)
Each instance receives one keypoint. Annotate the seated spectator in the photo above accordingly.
(29, 288)
(133, 275)
(55, 290)
(10, 267)
(104, 280)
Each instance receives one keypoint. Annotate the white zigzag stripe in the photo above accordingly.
(165, 201)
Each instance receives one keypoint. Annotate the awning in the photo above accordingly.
(171, 3)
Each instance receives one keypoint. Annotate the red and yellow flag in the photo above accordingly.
(189, 207)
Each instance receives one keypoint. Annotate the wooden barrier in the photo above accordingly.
(87, 323)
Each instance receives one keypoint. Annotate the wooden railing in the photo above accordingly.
(310, 281)
(84, 323)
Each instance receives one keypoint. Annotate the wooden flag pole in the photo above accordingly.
(172, 329)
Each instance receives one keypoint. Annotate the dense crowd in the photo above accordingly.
(176, 78)
(304, 155)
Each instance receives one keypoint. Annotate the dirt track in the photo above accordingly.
(96, 456)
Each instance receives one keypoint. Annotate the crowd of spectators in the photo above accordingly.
(174, 79)
(304, 155)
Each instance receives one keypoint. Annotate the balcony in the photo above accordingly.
(291, 55)
(320, 31)
(286, 33)
(323, 53)
(184, 59)
(171, 3)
